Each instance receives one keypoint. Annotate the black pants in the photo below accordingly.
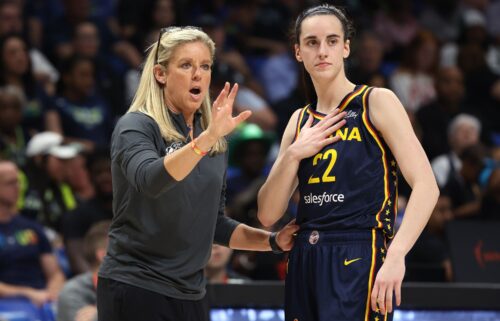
(117, 301)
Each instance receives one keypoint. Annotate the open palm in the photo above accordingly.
(223, 121)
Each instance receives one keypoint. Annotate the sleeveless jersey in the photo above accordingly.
(350, 184)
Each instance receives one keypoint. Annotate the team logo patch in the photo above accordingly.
(314, 237)
(173, 147)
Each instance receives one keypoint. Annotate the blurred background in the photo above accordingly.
(69, 69)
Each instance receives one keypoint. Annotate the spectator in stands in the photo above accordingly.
(259, 32)
(78, 176)
(163, 14)
(108, 69)
(46, 196)
(62, 24)
(429, 260)
(13, 138)
(27, 266)
(249, 148)
(413, 80)
(11, 21)
(16, 70)
(367, 67)
(481, 86)
(397, 26)
(217, 270)
(82, 115)
(231, 66)
(493, 24)
(78, 298)
(442, 18)
(463, 188)
(490, 203)
(463, 131)
(99, 208)
(435, 117)
(472, 30)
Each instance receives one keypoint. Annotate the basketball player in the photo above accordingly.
(341, 267)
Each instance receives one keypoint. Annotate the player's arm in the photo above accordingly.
(391, 120)
(276, 192)
(274, 195)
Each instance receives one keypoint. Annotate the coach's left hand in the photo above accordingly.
(286, 235)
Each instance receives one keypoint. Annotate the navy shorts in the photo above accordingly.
(331, 275)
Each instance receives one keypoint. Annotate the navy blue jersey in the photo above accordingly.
(351, 184)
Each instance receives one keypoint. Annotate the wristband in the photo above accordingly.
(197, 150)
(274, 245)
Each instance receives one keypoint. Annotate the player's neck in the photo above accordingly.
(331, 93)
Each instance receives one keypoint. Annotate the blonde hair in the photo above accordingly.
(149, 96)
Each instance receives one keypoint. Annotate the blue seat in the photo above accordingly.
(20, 309)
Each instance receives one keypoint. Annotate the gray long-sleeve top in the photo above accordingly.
(162, 230)
(76, 294)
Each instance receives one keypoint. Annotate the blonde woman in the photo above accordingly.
(168, 166)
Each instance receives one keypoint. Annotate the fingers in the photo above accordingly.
(388, 299)
(331, 119)
(221, 97)
(382, 297)
(293, 228)
(332, 139)
(381, 300)
(328, 117)
(374, 296)
(243, 116)
(232, 95)
(398, 294)
(226, 97)
(332, 129)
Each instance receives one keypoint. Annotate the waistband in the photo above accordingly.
(315, 236)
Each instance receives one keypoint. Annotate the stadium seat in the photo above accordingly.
(23, 310)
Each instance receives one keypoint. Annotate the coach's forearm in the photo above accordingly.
(182, 162)
(248, 238)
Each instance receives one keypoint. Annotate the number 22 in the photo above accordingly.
(326, 178)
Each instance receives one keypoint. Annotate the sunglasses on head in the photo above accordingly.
(169, 30)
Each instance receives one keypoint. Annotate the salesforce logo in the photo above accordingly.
(323, 198)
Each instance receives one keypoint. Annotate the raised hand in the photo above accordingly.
(285, 237)
(223, 121)
(312, 139)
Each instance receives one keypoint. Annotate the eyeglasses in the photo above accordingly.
(169, 30)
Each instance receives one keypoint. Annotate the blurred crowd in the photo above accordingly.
(69, 69)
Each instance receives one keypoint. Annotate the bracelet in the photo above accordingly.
(274, 245)
(197, 150)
